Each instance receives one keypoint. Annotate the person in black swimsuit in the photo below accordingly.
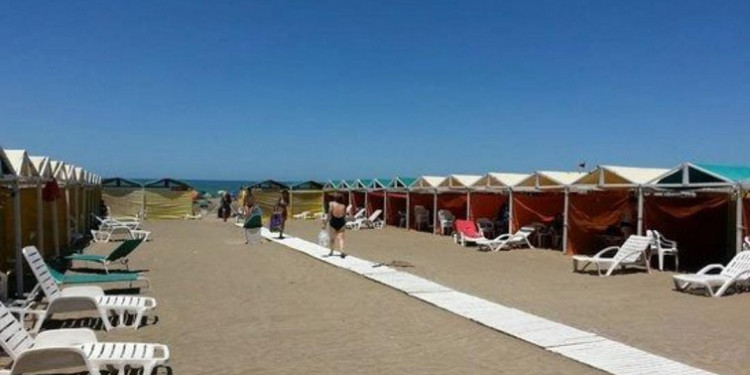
(336, 220)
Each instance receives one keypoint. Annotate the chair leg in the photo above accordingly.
(661, 261)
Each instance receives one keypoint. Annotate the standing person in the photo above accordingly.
(336, 220)
(253, 218)
(281, 210)
(226, 206)
(247, 201)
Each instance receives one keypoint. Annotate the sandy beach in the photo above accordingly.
(229, 308)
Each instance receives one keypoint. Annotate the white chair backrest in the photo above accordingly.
(360, 214)
(43, 277)
(738, 264)
(375, 215)
(14, 338)
(746, 243)
(633, 248)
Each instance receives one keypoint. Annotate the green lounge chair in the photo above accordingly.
(96, 278)
(119, 254)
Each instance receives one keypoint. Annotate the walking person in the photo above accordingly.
(253, 219)
(226, 206)
(281, 211)
(336, 220)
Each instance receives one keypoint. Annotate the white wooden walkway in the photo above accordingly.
(585, 347)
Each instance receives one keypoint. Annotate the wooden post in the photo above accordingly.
(640, 211)
(510, 210)
(408, 210)
(55, 229)
(435, 222)
(468, 205)
(19, 244)
(39, 216)
(740, 224)
(565, 221)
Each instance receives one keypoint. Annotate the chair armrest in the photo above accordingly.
(65, 337)
(502, 237)
(605, 250)
(710, 267)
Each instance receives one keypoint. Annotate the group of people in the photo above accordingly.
(335, 220)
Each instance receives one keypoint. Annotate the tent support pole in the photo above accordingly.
(291, 202)
(510, 211)
(55, 229)
(468, 205)
(740, 224)
(385, 207)
(19, 244)
(640, 211)
(76, 212)
(39, 216)
(367, 201)
(408, 210)
(565, 221)
(434, 213)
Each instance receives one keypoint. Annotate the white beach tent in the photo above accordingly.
(24, 209)
(487, 189)
(425, 185)
(461, 183)
(544, 183)
(44, 171)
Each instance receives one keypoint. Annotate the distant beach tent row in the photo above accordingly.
(44, 203)
(165, 198)
(304, 196)
(704, 207)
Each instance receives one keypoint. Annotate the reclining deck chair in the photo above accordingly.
(96, 278)
(81, 298)
(107, 222)
(373, 222)
(63, 349)
(632, 252)
(736, 273)
(508, 241)
(466, 232)
(119, 254)
(304, 215)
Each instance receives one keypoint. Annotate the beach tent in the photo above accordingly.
(539, 198)
(168, 199)
(424, 192)
(45, 218)
(358, 193)
(397, 201)
(306, 196)
(454, 194)
(701, 207)
(123, 197)
(8, 212)
(605, 199)
(25, 212)
(60, 176)
(491, 193)
(267, 194)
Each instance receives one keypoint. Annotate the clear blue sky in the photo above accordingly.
(322, 89)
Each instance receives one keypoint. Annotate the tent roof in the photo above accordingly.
(41, 163)
(331, 184)
(428, 182)
(380, 183)
(550, 179)
(21, 164)
(59, 172)
(614, 175)
(402, 182)
(5, 168)
(460, 181)
(307, 185)
(500, 180)
(688, 174)
(363, 183)
(119, 182)
(270, 184)
(168, 183)
(79, 174)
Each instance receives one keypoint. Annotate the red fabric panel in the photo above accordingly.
(593, 213)
(374, 202)
(453, 202)
(396, 203)
(358, 200)
(700, 226)
(746, 215)
(51, 191)
(536, 208)
(486, 205)
(416, 199)
(467, 228)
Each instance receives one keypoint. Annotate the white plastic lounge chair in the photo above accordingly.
(82, 298)
(373, 222)
(319, 215)
(509, 240)
(446, 219)
(736, 272)
(62, 349)
(104, 236)
(466, 232)
(108, 222)
(304, 215)
(661, 246)
(746, 243)
(359, 215)
(631, 253)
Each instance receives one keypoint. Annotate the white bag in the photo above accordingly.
(324, 239)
